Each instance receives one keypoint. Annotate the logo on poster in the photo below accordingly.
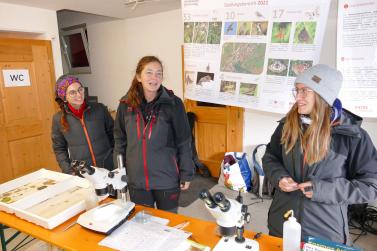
(361, 107)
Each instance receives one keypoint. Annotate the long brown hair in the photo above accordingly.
(135, 93)
(63, 117)
(315, 140)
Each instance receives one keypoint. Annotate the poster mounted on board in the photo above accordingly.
(248, 53)
(357, 57)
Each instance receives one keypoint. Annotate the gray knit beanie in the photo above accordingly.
(322, 79)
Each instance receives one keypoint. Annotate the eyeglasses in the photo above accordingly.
(303, 91)
(73, 93)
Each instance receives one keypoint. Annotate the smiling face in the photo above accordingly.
(305, 99)
(151, 79)
(75, 95)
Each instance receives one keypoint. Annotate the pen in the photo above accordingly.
(69, 226)
(182, 225)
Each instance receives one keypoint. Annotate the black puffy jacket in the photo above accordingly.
(95, 129)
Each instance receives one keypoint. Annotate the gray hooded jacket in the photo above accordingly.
(348, 175)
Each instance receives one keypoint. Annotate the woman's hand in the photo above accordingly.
(185, 185)
(307, 189)
(287, 184)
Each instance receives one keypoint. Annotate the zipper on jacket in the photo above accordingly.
(88, 141)
(144, 150)
(303, 168)
(138, 124)
(150, 121)
(153, 120)
(144, 141)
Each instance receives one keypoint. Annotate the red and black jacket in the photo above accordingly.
(157, 147)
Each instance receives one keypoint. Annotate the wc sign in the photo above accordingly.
(15, 78)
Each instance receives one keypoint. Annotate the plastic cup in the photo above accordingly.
(143, 216)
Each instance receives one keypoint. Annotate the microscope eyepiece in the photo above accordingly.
(85, 167)
(75, 163)
(221, 201)
(206, 196)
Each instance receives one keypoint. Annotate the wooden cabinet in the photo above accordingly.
(218, 129)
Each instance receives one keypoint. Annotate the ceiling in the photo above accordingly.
(109, 8)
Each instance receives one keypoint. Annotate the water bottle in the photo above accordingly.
(291, 233)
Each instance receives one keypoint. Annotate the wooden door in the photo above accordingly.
(26, 111)
(218, 129)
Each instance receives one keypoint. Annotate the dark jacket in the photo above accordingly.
(157, 150)
(74, 145)
(348, 175)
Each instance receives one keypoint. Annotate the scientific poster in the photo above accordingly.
(357, 57)
(248, 53)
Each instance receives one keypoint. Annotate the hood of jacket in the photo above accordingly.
(350, 124)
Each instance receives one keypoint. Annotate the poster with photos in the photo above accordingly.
(248, 53)
(356, 56)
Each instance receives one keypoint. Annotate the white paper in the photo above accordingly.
(356, 55)
(247, 53)
(133, 236)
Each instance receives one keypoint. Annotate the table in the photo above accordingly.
(79, 238)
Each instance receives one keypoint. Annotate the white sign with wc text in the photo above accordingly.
(16, 77)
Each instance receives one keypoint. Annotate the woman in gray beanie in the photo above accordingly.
(319, 160)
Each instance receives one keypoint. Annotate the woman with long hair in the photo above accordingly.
(80, 130)
(319, 159)
(153, 134)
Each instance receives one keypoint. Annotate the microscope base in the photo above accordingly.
(228, 243)
(107, 217)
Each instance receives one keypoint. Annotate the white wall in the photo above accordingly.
(34, 23)
(115, 48)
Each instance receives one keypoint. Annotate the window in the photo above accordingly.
(74, 43)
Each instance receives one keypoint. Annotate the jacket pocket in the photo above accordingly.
(175, 163)
(158, 133)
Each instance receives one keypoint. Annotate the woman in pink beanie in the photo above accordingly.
(80, 130)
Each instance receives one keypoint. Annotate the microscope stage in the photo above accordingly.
(229, 243)
(107, 217)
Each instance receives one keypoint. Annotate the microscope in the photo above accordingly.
(231, 216)
(107, 217)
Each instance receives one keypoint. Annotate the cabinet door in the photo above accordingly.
(218, 129)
